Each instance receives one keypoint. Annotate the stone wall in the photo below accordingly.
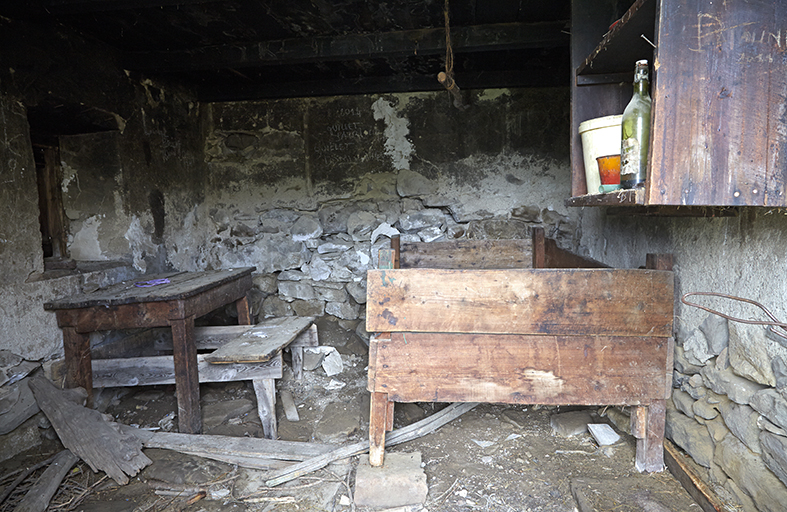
(302, 188)
(728, 408)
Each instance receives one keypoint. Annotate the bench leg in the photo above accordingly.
(297, 362)
(379, 421)
(647, 424)
(265, 389)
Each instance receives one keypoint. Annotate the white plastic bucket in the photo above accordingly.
(600, 137)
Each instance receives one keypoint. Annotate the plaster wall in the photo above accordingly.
(130, 155)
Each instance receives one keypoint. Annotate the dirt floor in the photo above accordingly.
(493, 458)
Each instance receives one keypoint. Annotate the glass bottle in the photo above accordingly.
(635, 127)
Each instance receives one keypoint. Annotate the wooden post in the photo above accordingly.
(76, 347)
(378, 423)
(186, 375)
(648, 422)
(539, 250)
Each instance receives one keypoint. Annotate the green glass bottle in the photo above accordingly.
(635, 127)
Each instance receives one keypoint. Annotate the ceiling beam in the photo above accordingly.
(502, 36)
(82, 6)
(253, 90)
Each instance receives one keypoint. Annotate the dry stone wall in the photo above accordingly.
(729, 409)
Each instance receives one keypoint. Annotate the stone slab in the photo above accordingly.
(399, 482)
(572, 423)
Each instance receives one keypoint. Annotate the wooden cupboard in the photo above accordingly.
(719, 89)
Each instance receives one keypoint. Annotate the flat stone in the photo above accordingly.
(399, 482)
(748, 352)
(216, 413)
(343, 310)
(273, 306)
(416, 221)
(774, 454)
(571, 423)
(683, 402)
(306, 228)
(314, 307)
(695, 387)
(771, 404)
(339, 421)
(17, 405)
(725, 382)
(717, 333)
(331, 294)
(742, 422)
(317, 269)
(431, 234)
(312, 358)
(717, 429)
(689, 435)
(25, 436)
(696, 349)
(603, 434)
(682, 364)
(332, 362)
(296, 290)
(357, 290)
(704, 409)
(750, 473)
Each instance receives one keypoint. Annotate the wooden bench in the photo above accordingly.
(234, 353)
(470, 325)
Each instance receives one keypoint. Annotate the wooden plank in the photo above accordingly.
(402, 435)
(719, 133)
(38, 496)
(214, 337)
(681, 468)
(88, 435)
(529, 301)
(261, 342)
(247, 452)
(378, 420)
(181, 285)
(186, 376)
(469, 254)
(555, 257)
(157, 370)
(557, 370)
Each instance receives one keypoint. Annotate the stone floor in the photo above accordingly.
(493, 458)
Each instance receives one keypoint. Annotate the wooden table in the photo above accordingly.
(172, 300)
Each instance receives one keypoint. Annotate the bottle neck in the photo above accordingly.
(641, 87)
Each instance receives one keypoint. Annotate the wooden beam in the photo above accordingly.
(431, 41)
(83, 6)
(252, 89)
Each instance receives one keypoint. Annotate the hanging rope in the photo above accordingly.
(772, 324)
(447, 77)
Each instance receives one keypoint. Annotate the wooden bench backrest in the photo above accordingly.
(611, 302)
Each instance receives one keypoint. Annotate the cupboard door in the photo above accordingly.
(719, 134)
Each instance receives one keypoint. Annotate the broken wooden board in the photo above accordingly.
(611, 302)
(262, 341)
(157, 370)
(516, 368)
(248, 452)
(404, 434)
(89, 435)
(17, 404)
(38, 496)
(624, 495)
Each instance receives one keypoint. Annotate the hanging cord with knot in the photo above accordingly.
(772, 324)
(447, 77)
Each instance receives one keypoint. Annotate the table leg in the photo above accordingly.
(244, 315)
(79, 371)
(186, 375)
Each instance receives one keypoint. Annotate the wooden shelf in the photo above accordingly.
(618, 198)
(613, 59)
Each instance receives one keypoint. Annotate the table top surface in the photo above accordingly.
(152, 288)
